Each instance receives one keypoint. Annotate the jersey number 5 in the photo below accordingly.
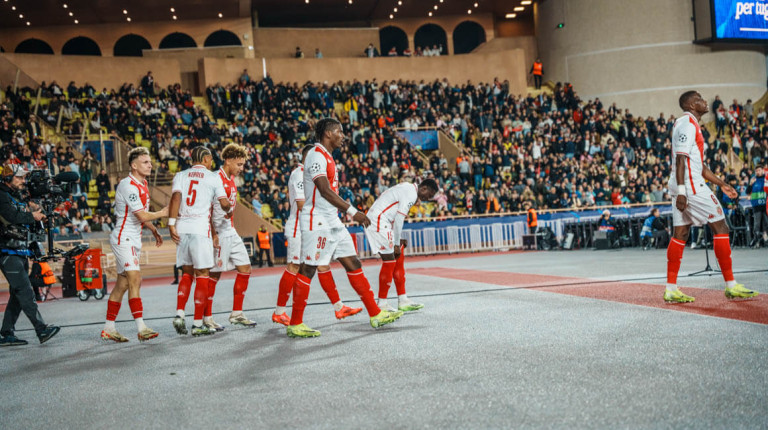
(192, 193)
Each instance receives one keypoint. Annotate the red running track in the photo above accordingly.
(708, 302)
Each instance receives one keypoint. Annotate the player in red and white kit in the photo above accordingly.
(387, 215)
(323, 235)
(194, 192)
(694, 201)
(293, 236)
(230, 254)
(132, 213)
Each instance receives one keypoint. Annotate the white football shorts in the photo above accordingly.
(195, 250)
(230, 254)
(319, 247)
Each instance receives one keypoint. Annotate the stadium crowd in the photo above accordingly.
(555, 150)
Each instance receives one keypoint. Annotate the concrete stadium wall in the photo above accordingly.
(507, 65)
(640, 55)
(101, 72)
(105, 35)
(333, 42)
(526, 43)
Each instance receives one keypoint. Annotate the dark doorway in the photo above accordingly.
(81, 45)
(33, 46)
(130, 45)
(392, 36)
(429, 35)
(177, 40)
(222, 38)
(467, 36)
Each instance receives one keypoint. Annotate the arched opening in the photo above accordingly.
(130, 45)
(431, 35)
(33, 46)
(2, 49)
(392, 36)
(177, 40)
(467, 36)
(222, 38)
(81, 45)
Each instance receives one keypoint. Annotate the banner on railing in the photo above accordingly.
(425, 140)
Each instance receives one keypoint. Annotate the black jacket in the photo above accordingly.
(10, 212)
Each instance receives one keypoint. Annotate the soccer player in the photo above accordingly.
(132, 213)
(694, 201)
(230, 253)
(387, 215)
(293, 235)
(193, 193)
(323, 235)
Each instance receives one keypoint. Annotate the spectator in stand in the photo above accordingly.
(148, 84)
(392, 52)
(318, 54)
(103, 184)
(757, 198)
(371, 51)
(299, 53)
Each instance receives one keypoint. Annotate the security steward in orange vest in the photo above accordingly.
(264, 246)
(537, 70)
(533, 221)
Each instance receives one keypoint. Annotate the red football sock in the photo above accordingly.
(723, 254)
(286, 285)
(185, 285)
(329, 285)
(300, 296)
(399, 274)
(363, 288)
(385, 277)
(211, 291)
(241, 284)
(137, 309)
(674, 257)
(201, 296)
(113, 308)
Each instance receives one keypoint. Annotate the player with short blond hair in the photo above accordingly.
(132, 214)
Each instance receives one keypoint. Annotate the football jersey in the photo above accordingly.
(295, 195)
(688, 141)
(199, 188)
(397, 199)
(131, 196)
(319, 212)
(224, 226)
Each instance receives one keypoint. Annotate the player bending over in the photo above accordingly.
(229, 250)
(194, 192)
(132, 214)
(387, 215)
(293, 235)
(323, 235)
(694, 201)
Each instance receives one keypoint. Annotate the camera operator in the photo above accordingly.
(14, 254)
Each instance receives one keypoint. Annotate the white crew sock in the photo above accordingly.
(338, 305)
(671, 287)
(279, 310)
(382, 303)
(140, 323)
(730, 284)
(180, 313)
(236, 313)
(403, 298)
(197, 323)
(208, 320)
(109, 325)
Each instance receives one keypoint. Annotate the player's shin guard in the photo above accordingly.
(300, 296)
(723, 253)
(185, 285)
(329, 286)
(286, 285)
(211, 291)
(363, 288)
(137, 308)
(113, 308)
(201, 296)
(674, 257)
(399, 274)
(241, 285)
(385, 277)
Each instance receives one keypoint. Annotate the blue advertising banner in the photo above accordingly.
(95, 147)
(745, 19)
(425, 140)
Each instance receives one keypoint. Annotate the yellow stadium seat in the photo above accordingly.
(111, 195)
(92, 203)
(173, 166)
(266, 211)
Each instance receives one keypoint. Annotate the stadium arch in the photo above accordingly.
(390, 36)
(130, 45)
(467, 36)
(431, 34)
(177, 40)
(222, 38)
(33, 46)
(81, 45)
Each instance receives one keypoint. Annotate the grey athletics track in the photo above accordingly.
(478, 356)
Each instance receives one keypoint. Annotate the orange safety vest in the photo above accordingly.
(538, 68)
(532, 219)
(48, 277)
(263, 239)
